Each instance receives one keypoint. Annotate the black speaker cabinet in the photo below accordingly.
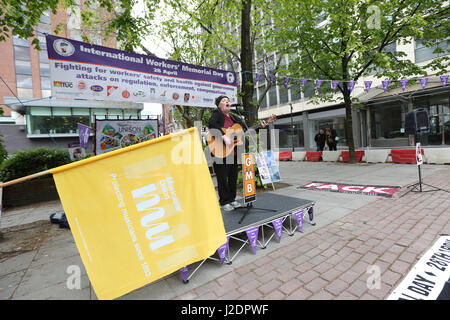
(417, 122)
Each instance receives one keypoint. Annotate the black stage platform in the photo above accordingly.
(236, 224)
(255, 217)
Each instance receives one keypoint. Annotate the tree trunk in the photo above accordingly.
(349, 124)
(247, 64)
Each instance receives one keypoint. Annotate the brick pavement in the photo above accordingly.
(333, 261)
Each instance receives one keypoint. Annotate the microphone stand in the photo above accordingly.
(250, 204)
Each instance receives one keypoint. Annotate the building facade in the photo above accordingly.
(379, 120)
(31, 117)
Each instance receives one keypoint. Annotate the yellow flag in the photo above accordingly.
(140, 213)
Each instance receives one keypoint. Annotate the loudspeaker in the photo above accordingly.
(417, 122)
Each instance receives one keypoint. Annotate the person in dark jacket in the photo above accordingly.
(331, 139)
(320, 140)
(226, 169)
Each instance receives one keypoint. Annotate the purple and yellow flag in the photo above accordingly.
(142, 212)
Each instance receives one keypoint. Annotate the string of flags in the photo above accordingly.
(351, 84)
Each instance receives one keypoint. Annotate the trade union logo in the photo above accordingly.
(63, 84)
(125, 94)
(110, 90)
(63, 47)
(81, 85)
(175, 96)
(139, 94)
(96, 88)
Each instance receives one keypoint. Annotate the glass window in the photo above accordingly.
(45, 83)
(388, 121)
(24, 81)
(261, 90)
(424, 53)
(283, 92)
(46, 93)
(22, 53)
(309, 89)
(23, 67)
(114, 113)
(295, 90)
(25, 93)
(98, 113)
(80, 111)
(40, 111)
(291, 136)
(130, 112)
(20, 42)
(43, 57)
(61, 112)
(273, 95)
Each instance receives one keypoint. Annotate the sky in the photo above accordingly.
(158, 47)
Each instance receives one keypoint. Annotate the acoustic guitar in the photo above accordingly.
(218, 147)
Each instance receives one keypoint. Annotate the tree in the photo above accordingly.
(231, 32)
(346, 39)
(20, 19)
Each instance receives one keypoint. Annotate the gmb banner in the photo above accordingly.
(83, 70)
(142, 212)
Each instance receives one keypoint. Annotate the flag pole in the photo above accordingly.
(31, 176)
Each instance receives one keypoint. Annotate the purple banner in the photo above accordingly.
(423, 82)
(184, 273)
(367, 84)
(303, 83)
(299, 217)
(444, 80)
(83, 70)
(334, 85)
(258, 77)
(278, 225)
(404, 83)
(386, 84)
(318, 85)
(311, 214)
(286, 81)
(84, 133)
(222, 251)
(252, 235)
(272, 80)
(351, 85)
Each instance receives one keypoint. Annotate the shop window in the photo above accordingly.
(387, 122)
(54, 120)
(290, 136)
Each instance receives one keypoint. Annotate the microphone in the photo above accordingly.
(236, 105)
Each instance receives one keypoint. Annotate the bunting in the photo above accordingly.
(351, 83)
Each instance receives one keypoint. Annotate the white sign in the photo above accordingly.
(427, 278)
(419, 157)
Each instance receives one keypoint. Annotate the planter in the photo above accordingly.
(29, 192)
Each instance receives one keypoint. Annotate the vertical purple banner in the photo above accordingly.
(184, 273)
(303, 83)
(334, 85)
(423, 82)
(286, 81)
(311, 214)
(351, 85)
(252, 235)
(367, 84)
(222, 251)
(299, 217)
(444, 80)
(84, 133)
(318, 85)
(404, 83)
(278, 225)
(386, 84)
